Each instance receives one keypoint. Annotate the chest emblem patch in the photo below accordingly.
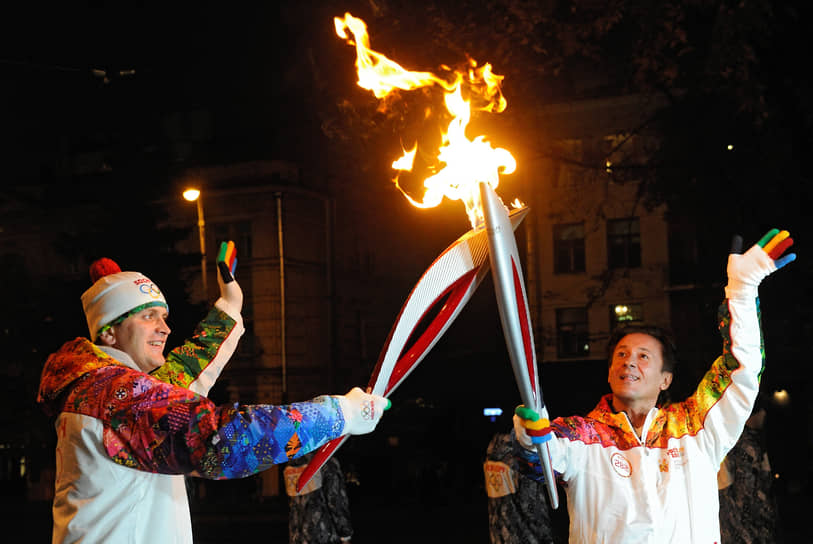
(621, 465)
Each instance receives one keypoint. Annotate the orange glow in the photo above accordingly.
(191, 194)
(461, 162)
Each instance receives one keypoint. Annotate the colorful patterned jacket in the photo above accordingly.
(621, 489)
(125, 438)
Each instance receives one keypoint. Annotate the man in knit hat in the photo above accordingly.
(131, 422)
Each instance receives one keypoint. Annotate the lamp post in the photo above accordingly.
(193, 195)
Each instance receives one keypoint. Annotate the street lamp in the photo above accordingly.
(193, 195)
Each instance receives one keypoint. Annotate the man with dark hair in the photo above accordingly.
(639, 471)
(667, 345)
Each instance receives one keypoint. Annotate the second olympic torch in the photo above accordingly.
(512, 304)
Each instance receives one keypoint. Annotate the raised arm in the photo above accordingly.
(198, 362)
(726, 394)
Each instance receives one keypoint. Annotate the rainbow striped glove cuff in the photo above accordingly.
(227, 261)
(530, 427)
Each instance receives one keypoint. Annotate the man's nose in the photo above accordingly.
(163, 327)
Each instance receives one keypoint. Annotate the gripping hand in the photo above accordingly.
(230, 290)
(362, 411)
(530, 428)
(746, 271)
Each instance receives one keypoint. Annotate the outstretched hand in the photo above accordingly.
(746, 271)
(362, 411)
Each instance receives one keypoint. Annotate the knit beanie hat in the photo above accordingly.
(116, 294)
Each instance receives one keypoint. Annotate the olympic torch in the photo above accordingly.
(512, 303)
(446, 286)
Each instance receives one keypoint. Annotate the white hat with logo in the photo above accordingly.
(115, 294)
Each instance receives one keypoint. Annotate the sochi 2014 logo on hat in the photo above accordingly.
(148, 288)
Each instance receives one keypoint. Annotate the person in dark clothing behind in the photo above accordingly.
(518, 508)
(320, 512)
(748, 507)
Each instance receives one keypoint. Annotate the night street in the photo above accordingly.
(390, 226)
(375, 520)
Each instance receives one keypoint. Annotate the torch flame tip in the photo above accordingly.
(460, 162)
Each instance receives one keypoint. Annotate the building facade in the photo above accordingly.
(597, 255)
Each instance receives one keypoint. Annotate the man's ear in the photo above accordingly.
(667, 381)
(107, 337)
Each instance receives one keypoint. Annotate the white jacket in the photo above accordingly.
(662, 490)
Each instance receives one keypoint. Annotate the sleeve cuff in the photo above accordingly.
(741, 291)
(224, 306)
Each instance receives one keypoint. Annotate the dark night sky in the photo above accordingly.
(240, 64)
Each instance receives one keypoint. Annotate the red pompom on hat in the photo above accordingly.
(103, 267)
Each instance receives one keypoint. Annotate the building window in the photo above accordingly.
(626, 314)
(572, 333)
(623, 243)
(568, 248)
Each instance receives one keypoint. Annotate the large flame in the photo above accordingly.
(462, 163)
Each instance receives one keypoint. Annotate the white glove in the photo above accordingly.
(230, 293)
(536, 424)
(361, 411)
(522, 437)
(746, 271)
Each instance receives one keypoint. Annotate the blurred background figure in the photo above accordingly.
(320, 512)
(518, 509)
(748, 506)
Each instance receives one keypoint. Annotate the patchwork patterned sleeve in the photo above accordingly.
(199, 361)
(156, 427)
(527, 463)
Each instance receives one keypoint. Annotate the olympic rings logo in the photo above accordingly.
(367, 410)
(150, 289)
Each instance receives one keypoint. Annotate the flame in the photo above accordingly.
(461, 163)
(406, 160)
(376, 72)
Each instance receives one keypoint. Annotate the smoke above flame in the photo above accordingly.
(461, 163)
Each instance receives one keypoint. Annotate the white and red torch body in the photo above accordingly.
(512, 303)
(452, 278)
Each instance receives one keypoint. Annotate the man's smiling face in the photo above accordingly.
(143, 337)
(636, 373)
